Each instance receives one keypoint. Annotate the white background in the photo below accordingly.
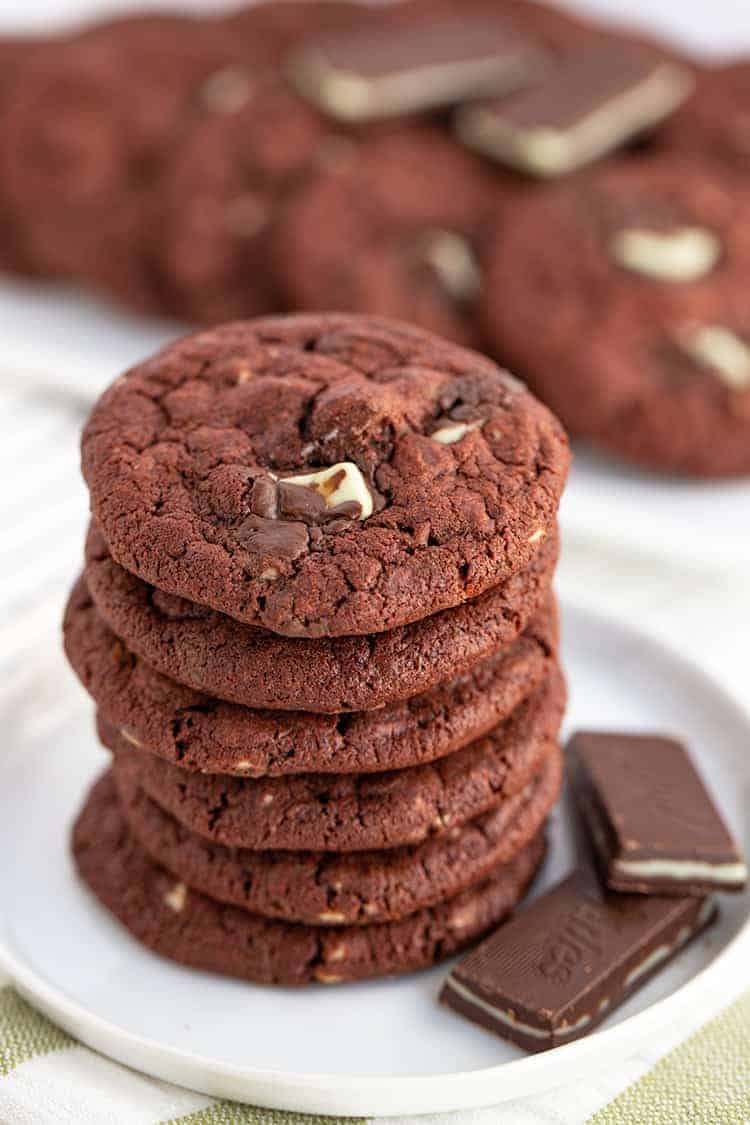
(705, 25)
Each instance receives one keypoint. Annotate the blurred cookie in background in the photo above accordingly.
(716, 121)
(618, 295)
(247, 140)
(84, 132)
(393, 231)
(14, 54)
(219, 190)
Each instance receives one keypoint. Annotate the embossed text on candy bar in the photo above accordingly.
(579, 934)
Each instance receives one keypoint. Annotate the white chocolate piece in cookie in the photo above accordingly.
(719, 349)
(342, 483)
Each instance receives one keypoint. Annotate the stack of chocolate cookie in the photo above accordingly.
(317, 621)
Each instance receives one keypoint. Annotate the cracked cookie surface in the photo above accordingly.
(202, 733)
(353, 812)
(360, 888)
(188, 458)
(193, 929)
(239, 663)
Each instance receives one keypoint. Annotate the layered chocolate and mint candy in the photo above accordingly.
(653, 823)
(564, 963)
(591, 103)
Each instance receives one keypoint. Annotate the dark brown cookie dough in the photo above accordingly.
(81, 139)
(219, 193)
(394, 231)
(715, 123)
(248, 141)
(460, 466)
(215, 654)
(188, 927)
(357, 889)
(616, 278)
(15, 51)
(353, 812)
(201, 733)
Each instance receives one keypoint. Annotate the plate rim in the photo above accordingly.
(326, 1093)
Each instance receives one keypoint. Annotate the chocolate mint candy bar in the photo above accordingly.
(367, 74)
(588, 105)
(559, 967)
(653, 824)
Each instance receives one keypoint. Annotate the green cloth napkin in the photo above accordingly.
(47, 1077)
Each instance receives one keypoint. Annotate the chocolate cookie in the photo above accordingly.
(361, 888)
(247, 142)
(219, 191)
(394, 231)
(628, 314)
(322, 474)
(188, 927)
(204, 734)
(82, 139)
(242, 664)
(353, 812)
(15, 52)
(715, 123)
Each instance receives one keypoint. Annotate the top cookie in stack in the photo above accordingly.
(318, 625)
(322, 475)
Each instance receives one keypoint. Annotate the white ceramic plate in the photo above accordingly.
(376, 1048)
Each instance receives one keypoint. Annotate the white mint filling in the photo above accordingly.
(663, 951)
(351, 97)
(655, 958)
(683, 254)
(554, 151)
(725, 353)
(705, 912)
(511, 1021)
(342, 483)
(682, 869)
